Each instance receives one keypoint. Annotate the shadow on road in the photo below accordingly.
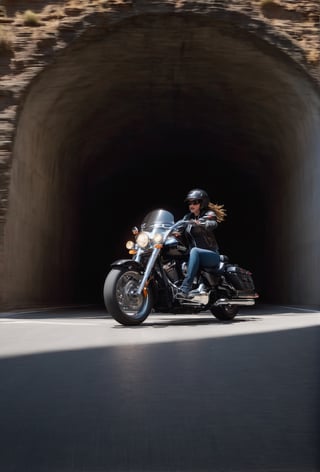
(184, 321)
(99, 312)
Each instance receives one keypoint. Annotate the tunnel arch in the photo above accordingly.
(115, 127)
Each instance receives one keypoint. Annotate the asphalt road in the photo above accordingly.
(81, 393)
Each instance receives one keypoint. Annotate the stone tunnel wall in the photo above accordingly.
(26, 50)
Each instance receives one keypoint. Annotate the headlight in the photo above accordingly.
(157, 238)
(142, 240)
(129, 244)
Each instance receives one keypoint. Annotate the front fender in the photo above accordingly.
(128, 264)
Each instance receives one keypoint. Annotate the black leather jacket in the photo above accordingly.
(202, 235)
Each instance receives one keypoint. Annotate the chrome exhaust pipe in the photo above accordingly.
(235, 301)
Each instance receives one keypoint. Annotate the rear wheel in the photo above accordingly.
(225, 312)
(121, 299)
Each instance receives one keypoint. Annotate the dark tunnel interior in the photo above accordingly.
(161, 176)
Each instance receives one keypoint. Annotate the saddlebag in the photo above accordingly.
(241, 279)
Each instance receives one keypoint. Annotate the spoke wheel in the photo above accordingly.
(121, 299)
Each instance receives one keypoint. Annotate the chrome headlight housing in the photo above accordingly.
(157, 238)
(129, 245)
(143, 240)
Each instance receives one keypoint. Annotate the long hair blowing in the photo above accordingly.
(219, 210)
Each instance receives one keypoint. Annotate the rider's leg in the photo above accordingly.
(198, 257)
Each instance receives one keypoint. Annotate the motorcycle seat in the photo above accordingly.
(215, 270)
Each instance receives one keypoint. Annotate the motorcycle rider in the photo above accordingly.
(203, 218)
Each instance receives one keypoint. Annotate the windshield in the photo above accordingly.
(157, 219)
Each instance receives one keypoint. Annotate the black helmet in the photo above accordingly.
(198, 194)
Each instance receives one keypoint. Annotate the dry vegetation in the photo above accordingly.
(299, 19)
(6, 41)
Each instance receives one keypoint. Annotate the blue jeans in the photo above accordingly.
(199, 258)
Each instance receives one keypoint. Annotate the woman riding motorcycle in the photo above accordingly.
(203, 218)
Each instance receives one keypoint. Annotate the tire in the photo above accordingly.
(225, 312)
(120, 299)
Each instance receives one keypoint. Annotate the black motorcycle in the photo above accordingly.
(150, 279)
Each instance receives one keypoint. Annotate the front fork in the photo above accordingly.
(148, 270)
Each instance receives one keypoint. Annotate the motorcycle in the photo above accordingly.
(149, 280)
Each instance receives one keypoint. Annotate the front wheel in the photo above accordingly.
(121, 299)
(225, 312)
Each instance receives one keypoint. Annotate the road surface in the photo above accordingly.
(186, 393)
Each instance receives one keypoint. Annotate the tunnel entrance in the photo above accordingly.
(114, 128)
